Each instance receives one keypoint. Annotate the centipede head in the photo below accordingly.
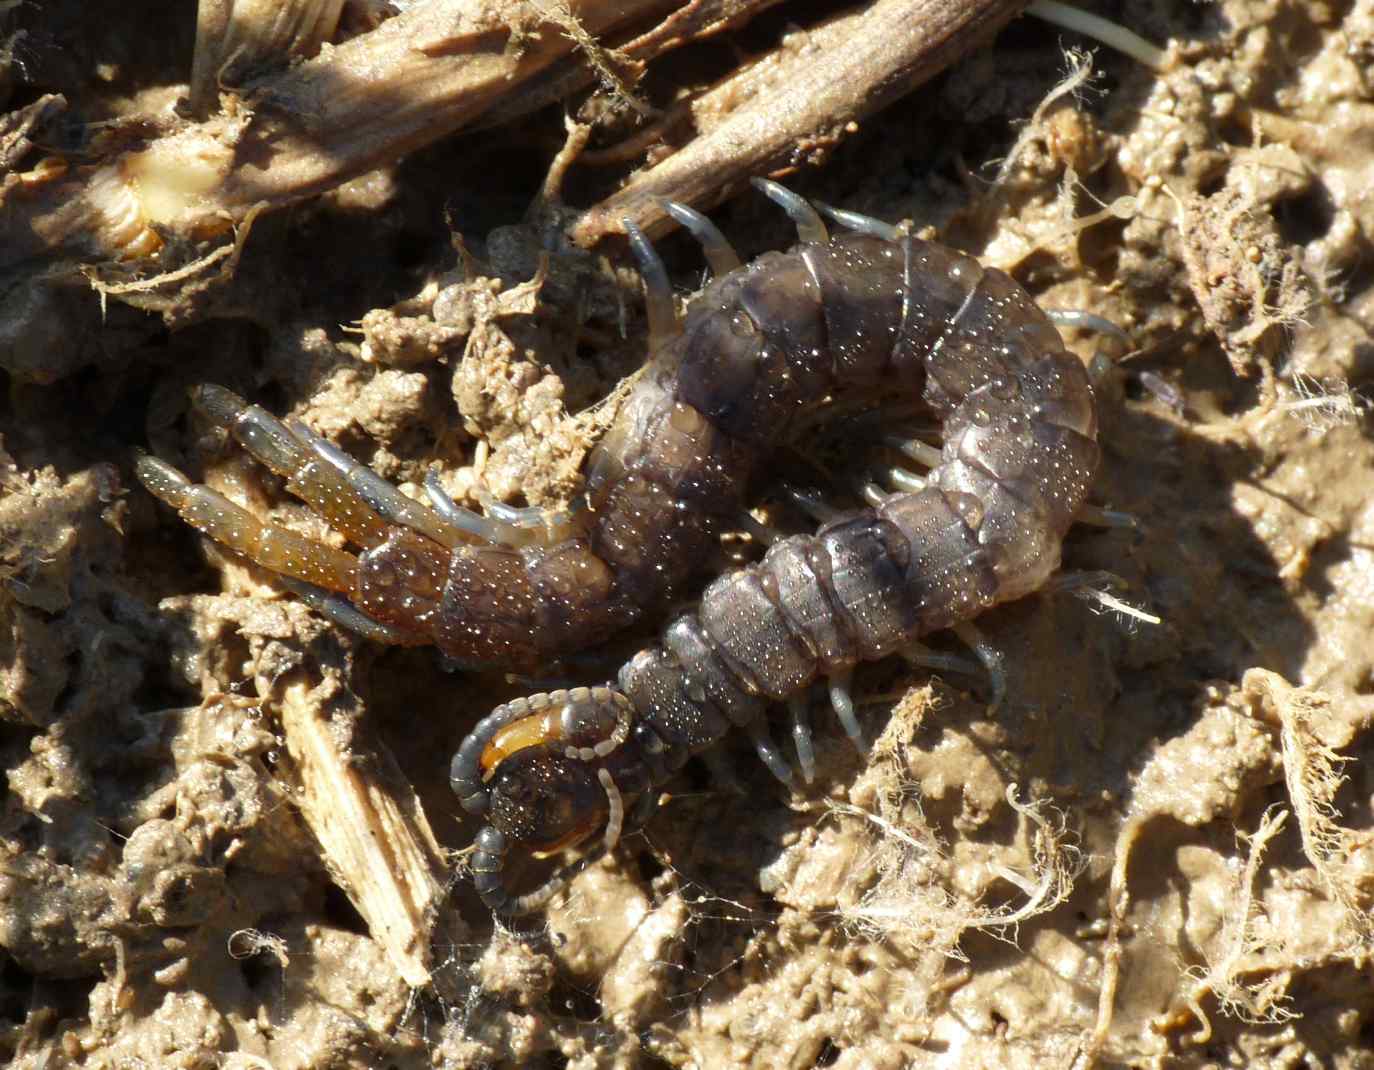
(545, 801)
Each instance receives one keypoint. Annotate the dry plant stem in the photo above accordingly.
(249, 35)
(798, 102)
(368, 102)
(372, 832)
(693, 20)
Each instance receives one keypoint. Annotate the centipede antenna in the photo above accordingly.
(863, 224)
(658, 291)
(720, 254)
(768, 751)
(801, 736)
(465, 771)
(487, 866)
(842, 699)
(810, 225)
(615, 810)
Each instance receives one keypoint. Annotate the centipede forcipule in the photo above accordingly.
(869, 309)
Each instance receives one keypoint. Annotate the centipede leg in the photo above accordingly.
(810, 226)
(873, 494)
(902, 480)
(863, 224)
(384, 499)
(991, 658)
(921, 452)
(922, 657)
(279, 549)
(309, 476)
(346, 615)
(720, 254)
(490, 529)
(1086, 321)
(801, 736)
(768, 751)
(1105, 518)
(842, 700)
(658, 291)
(810, 503)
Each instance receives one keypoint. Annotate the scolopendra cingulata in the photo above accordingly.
(871, 309)
(868, 308)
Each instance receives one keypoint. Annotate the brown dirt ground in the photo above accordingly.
(1176, 815)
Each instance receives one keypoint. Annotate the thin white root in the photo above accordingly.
(1080, 71)
(909, 902)
(1312, 772)
(1244, 950)
(1111, 34)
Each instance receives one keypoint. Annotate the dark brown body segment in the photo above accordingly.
(761, 345)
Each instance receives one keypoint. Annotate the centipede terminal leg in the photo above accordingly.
(276, 548)
(310, 477)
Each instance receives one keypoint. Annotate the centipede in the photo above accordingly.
(762, 347)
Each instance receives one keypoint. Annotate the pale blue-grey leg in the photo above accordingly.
(810, 225)
(811, 503)
(923, 453)
(1105, 518)
(922, 657)
(991, 658)
(339, 610)
(1086, 321)
(768, 751)
(864, 224)
(720, 254)
(486, 528)
(658, 291)
(842, 699)
(801, 736)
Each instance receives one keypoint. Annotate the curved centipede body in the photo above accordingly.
(872, 311)
(867, 309)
